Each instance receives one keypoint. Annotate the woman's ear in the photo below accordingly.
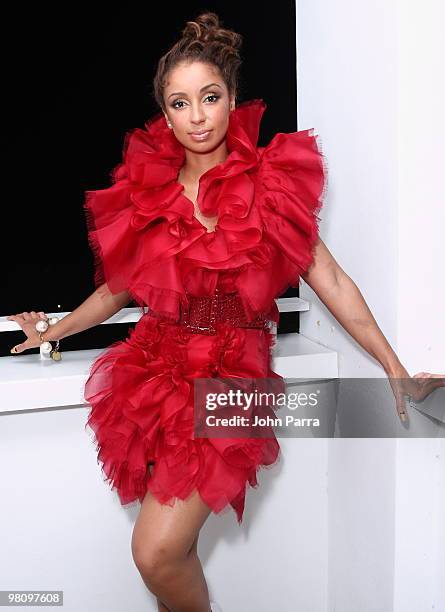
(167, 120)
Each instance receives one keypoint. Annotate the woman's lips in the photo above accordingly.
(202, 136)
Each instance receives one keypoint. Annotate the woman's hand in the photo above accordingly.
(27, 321)
(417, 387)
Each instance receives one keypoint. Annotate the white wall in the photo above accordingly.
(62, 528)
(370, 81)
(347, 91)
(421, 199)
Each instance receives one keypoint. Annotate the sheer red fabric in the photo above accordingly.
(147, 241)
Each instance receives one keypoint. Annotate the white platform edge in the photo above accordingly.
(131, 315)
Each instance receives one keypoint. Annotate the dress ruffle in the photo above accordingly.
(292, 185)
(147, 241)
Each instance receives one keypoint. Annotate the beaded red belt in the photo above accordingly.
(203, 313)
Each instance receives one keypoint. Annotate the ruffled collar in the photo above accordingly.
(153, 158)
(144, 229)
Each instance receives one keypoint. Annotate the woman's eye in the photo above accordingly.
(214, 96)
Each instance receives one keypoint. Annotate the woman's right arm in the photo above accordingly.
(97, 308)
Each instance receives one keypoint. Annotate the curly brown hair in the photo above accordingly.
(204, 40)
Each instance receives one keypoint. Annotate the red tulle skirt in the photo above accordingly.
(141, 395)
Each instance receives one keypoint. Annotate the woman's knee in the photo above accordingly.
(156, 561)
(164, 537)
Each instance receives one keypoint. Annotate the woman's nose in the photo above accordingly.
(197, 115)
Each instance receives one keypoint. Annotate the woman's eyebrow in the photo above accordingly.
(182, 93)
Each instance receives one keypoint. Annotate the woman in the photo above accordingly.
(206, 229)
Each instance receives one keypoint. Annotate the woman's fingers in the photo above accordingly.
(400, 406)
(399, 396)
(23, 346)
(25, 316)
(417, 388)
(19, 348)
(424, 384)
(428, 375)
(26, 320)
(16, 317)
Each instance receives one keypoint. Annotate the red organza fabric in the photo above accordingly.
(147, 241)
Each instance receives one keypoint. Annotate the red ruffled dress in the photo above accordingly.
(147, 241)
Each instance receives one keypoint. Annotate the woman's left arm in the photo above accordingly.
(343, 298)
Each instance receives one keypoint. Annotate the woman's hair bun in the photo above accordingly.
(207, 28)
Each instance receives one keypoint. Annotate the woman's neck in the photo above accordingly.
(196, 164)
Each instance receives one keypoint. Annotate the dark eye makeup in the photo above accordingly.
(215, 96)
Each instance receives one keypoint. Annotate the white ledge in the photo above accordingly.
(29, 383)
(131, 315)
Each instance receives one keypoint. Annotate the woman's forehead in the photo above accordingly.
(192, 76)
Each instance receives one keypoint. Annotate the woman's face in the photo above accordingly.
(197, 100)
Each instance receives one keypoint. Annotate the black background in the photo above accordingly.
(75, 83)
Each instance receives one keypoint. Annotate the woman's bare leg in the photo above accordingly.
(164, 547)
(161, 606)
